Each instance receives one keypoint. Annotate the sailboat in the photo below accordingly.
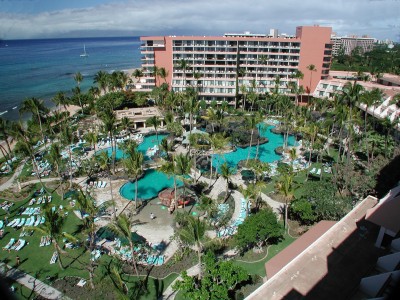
(84, 54)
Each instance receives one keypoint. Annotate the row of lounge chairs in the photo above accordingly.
(95, 255)
(98, 184)
(45, 241)
(232, 229)
(32, 221)
(31, 211)
(13, 245)
(40, 200)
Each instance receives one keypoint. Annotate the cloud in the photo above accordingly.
(379, 19)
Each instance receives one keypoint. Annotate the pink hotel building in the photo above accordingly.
(215, 58)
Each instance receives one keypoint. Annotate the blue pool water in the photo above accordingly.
(266, 151)
(148, 141)
(148, 186)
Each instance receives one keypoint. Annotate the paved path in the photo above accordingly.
(34, 284)
(169, 293)
(10, 182)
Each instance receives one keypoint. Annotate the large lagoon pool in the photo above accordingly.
(266, 151)
(148, 141)
(148, 186)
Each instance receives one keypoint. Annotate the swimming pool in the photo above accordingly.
(148, 141)
(266, 151)
(148, 186)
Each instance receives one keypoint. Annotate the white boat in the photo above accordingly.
(84, 54)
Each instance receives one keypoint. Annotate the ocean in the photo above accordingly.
(40, 68)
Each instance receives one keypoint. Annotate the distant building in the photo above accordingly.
(213, 61)
(348, 43)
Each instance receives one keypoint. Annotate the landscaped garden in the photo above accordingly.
(104, 209)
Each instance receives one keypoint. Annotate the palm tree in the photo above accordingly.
(102, 78)
(85, 203)
(217, 142)
(37, 108)
(104, 164)
(155, 122)
(5, 129)
(169, 169)
(138, 73)
(134, 167)
(351, 95)
(226, 173)
(109, 119)
(54, 157)
(183, 164)
(191, 107)
(67, 138)
(60, 99)
(251, 123)
(184, 66)
(54, 228)
(123, 228)
(249, 193)
(78, 79)
(166, 147)
(92, 138)
(312, 69)
(193, 234)
(163, 73)
(284, 186)
(311, 131)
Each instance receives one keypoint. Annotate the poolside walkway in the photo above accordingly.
(34, 284)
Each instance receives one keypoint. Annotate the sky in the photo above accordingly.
(24, 19)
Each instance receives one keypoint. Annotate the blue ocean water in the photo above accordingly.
(41, 68)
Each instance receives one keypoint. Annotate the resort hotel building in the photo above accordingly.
(212, 64)
(348, 43)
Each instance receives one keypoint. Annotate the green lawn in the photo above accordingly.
(258, 267)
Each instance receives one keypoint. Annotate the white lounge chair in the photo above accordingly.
(13, 222)
(54, 258)
(313, 170)
(318, 172)
(21, 245)
(9, 245)
(104, 184)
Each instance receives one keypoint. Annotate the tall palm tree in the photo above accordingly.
(351, 96)
(155, 122)
(226, 173)
(67, 138)
(5, 133)
(37, 108)
(78, 79)
(138, 73)
(109, 120)
(101, 78)
(85, 203)
(134, 167)
(54, 157)
(60, 99)
(104, 164)
(284, 186)
(183, 164)
(184, 66)
(92, 138)
(251, 124)
(122, 227)
(163, 73)
(217, 142)
(169, 169)
(54, 228)
(193, 234)
(312, 69)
